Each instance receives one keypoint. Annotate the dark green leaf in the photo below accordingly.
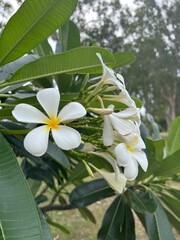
(112, 221)
(128, 227)
(158, 226)
(16, 203)
(90, 192)
(142, 201)
(40, 175)
(58, 155)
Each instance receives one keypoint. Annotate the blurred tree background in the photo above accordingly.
(151, 30)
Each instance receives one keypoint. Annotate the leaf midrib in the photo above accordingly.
(27, 32)
(113, 217)
(89, 194)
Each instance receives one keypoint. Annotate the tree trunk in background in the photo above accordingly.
(170, 98)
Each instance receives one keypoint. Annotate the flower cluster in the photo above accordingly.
(121, 136)
(121, 132)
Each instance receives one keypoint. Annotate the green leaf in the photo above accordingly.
(69, 36)
(6, 113)
(87, 214)
(80, 172)
(173, 221)
(58, 155)
(45, 227)
(8, 70)
(170, 165)
(43, 49)
(175, 202)
(31, 24)
(153, 166)
(158, 226)
(16, 203)
(124, 58)
(112, 221)
(156, 148)
(40, 175)
(59, 226)
(77, 60)
(142, 201)
(173, 141)
(90, 192)
(128, 227)
(168, 204)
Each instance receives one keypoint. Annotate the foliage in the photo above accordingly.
(25, 178)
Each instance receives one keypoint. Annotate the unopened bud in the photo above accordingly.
(100, 111)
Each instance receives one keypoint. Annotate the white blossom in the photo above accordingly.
(129, 155)
(36, 141)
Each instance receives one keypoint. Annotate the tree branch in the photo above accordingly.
(55, 207)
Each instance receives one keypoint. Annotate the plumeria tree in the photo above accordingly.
(66, 115)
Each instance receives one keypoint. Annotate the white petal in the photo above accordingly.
(108, 134)
(125, 98)
(108, 73)
(28, 114)
(122, 155)
(141, 158)
(49, 99)
(72, 111)
(123, 126)
(131, 171)
(36, 141)
(117, 183)
(127, 113)
(66, 138)
(120, 78)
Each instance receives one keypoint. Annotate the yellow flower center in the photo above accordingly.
(129, 147)
(53, 122)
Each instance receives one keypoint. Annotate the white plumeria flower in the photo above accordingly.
(36, 141)
(129, 154)
(118, 121)
(109, 76)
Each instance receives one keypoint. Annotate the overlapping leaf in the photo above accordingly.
(142, 201)
(77, 60)
(31, 24)
(90, 192)
(16, 203)
(158, 226)
(112, 221)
